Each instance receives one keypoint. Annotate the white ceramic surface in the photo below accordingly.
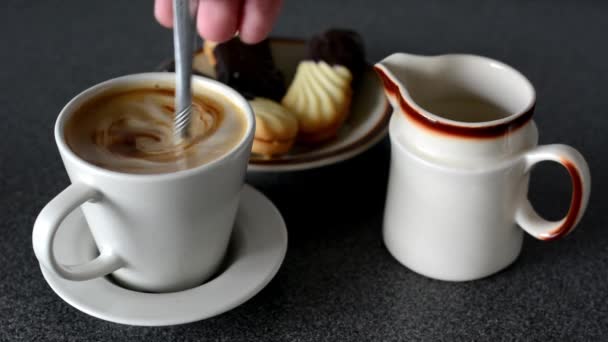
(160, 232)
(365, 126)
(256, 251)
(458, 191)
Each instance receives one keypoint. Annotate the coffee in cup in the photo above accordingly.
(130, 130)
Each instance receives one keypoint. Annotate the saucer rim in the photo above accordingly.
(281, 234)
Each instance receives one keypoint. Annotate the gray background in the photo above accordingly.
(338, 282)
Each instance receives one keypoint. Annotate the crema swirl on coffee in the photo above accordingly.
(132, 131)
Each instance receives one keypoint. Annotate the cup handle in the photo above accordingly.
(529, 220)
(45, 228)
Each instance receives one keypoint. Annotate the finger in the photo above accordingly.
(163, 11)
(217, 19)
(258, 18)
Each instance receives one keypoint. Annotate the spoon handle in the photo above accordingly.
(184, 15)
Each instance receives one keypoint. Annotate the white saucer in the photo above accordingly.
(257, 249)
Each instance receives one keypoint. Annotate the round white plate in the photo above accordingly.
(365, 126)
(257, 249)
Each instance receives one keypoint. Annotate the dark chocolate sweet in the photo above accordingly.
(339, 47)
(249, 69)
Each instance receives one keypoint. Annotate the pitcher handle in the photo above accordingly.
(46, 226)
(529, 220)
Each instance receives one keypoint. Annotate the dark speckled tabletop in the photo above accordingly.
(338, 282)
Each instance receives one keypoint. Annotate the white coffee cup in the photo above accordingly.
(457, 190)
(155, 232)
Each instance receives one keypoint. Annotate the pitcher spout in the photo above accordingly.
(398, 73)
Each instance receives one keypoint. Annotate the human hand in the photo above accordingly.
(219, 20)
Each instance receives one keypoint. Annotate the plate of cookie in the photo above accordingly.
(317, 102)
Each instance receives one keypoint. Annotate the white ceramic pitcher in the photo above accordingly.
(457, 193)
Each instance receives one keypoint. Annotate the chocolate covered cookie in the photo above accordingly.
(249, 69)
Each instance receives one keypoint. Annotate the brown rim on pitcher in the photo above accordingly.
(440, 125)
(490, 131)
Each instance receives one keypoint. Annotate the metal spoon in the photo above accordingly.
(184, 19)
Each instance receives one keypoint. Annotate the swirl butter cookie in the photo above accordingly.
(276, 127)
(321, 92)
(319, 96)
